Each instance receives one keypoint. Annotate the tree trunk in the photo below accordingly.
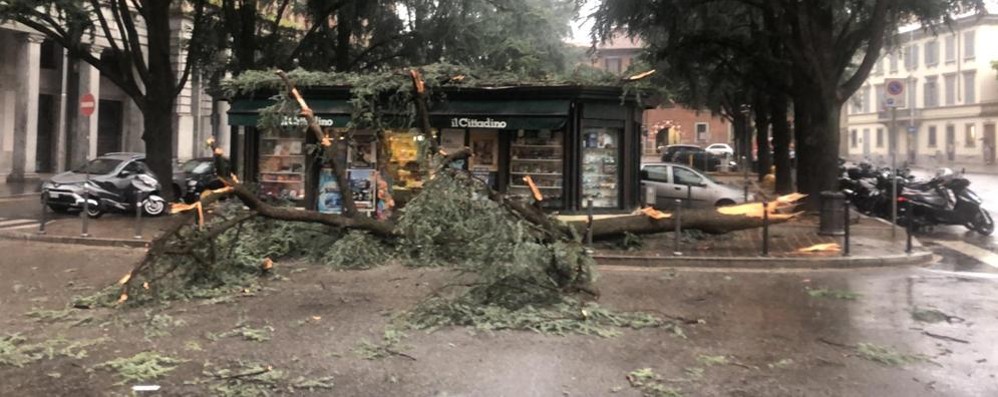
(817, 142)
(802, 127)
(158, 136)
(781, 143)
(344, 16)
(762, 123)
(706, 220)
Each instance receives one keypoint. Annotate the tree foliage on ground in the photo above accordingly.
(831, 47)
(137, 58)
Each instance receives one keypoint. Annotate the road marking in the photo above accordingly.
(12, 224)
(987, 257)
(988, 276)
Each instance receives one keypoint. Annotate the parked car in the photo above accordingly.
(672, 181)
(115, 180)
(193, 177)
(672, 152)
(720, 149)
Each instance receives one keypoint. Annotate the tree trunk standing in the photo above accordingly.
(160, 95)
(762, 122)
(344, 16)
(738, 125)
(781, 142)
(820, 149)
(802, 127)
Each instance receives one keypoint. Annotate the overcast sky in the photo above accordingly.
(582, 26)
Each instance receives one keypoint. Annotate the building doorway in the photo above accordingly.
(989, 144)
(109, 122)
(46, 130)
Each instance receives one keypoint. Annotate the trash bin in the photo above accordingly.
(832, 214)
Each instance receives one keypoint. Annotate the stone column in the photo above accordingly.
(62, 123)
(85, 133)
(26, 108)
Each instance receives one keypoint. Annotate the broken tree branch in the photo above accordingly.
(326, 143)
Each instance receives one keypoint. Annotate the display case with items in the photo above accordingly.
(600, 176)
(539, 155)
(282, 165)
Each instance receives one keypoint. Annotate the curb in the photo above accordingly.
(88, 241)
(757, 262)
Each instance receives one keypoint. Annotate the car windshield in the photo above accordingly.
(196, 166)
(99, 166)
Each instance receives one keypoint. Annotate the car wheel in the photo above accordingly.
(95, 211)
(724, 203)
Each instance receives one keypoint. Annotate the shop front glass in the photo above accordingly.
(282, 164)
(600, 173)
(539, 156)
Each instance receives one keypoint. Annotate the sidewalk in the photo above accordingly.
(870, 245)
(111, 230)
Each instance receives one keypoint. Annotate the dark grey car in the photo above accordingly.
(112, 177)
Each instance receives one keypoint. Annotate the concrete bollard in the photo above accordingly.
(45, 208)
(86, 207)
(679, 226)
(909, 227)
(845, 248)
(765, 229)
(138, 216)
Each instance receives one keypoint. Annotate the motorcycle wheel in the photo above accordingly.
(983, 223)
(154, 207)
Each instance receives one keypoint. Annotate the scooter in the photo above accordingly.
(944, 200)
(102, 197)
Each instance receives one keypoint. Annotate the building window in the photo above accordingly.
(612, 65)
(968, 45)
(970, 135)
(878, 68)
(931, 53)
(702, 129)
(950, 49)
(969, 87)
(866, 99)
(880, 137)
(911, 57)
(912, 87)
(950, 89)
(879, 92)
(49, 54)
(853, 138)
(857, 104)
(893, 59)
(932, 136)
(929, 93)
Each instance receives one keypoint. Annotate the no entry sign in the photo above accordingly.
(87, 104)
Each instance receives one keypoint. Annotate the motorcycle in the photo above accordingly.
(944, 200)
(103, 197)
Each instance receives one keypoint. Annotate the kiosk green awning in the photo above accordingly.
(503, 115)
(246, 112)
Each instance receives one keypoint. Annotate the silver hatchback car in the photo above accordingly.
(671, 181)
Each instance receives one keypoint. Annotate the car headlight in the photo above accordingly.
(192, 183)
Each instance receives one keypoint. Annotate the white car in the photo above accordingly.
(720, 149)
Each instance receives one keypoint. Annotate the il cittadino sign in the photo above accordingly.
(476, 123)
(288, 121)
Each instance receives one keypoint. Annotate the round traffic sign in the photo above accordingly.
(87, 104)
(895, 88)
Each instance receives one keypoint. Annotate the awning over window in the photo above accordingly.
(504, 115)
(247, 112)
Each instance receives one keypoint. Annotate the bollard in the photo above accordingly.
(765, 229)
(138, 217)
(679, 226)
(86, 206)
(45, 205)
(746, 166)
(845, 248)
(909, 225)
(689, 196)
(589, 219)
